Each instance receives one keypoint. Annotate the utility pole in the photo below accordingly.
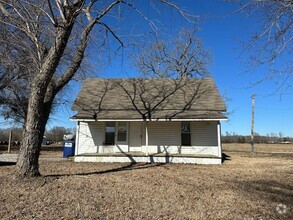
(9, 141)
(252, 125)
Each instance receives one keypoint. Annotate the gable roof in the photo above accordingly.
(154, 98)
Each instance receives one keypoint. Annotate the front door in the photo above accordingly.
(121, 133)
(135, 130)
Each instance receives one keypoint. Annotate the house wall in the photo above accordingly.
(91, 139)
(163, 137)
(204, 138)
(166, 137)
(135, 135)
(91, 135)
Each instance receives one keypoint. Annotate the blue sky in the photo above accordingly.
(221, 33)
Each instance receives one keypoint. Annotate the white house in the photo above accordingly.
(149, 120)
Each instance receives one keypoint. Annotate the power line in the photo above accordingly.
(285, 109)
(269, 94)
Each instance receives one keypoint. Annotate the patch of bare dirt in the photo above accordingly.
(241, 188)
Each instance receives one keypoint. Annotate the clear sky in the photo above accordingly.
(221, 33)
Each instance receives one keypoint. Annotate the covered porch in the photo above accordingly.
(171, 137)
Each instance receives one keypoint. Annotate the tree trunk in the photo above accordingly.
(39, 106)
(32, 137)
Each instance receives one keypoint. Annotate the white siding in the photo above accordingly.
(204, 133)
(135, 135)
(164, 133)
(163, 137)
(208, 150)
(91, 135)
(91, 139)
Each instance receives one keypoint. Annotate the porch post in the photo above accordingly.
(219, 139)
(77, 138)
(146, 138)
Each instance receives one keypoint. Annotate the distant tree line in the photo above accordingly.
(4, 135)
(271, 138)
(56, 133)
(53, 135)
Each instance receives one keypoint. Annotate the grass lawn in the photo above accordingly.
(240, 188)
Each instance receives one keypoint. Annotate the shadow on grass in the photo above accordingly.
(7, 163)
(271, 190)
(131, 166)
(225, 157)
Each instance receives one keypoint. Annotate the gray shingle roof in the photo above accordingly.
(149, 98)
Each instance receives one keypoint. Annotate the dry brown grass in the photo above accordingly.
(241, 188)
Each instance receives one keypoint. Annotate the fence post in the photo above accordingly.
(252, 126)
(9, 141)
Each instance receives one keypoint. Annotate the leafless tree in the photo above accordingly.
(15, 71)
(4, 134)
(56, 133)
(14, 101)
(49, 29)
(181, 57)
(272, 45)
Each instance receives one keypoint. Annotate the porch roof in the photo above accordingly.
(149, 99)
(132, 115)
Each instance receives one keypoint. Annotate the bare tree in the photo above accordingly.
(4, 134)
(56, 133)
(49, 29)
(14, 101)
(272, 44)
(16, 67)
(181, 57)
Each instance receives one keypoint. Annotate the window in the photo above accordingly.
(185, 134)
(110, 133)
(122, 130)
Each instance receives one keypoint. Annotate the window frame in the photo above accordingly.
(185, 133)
(117, 134)
(107, 125)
